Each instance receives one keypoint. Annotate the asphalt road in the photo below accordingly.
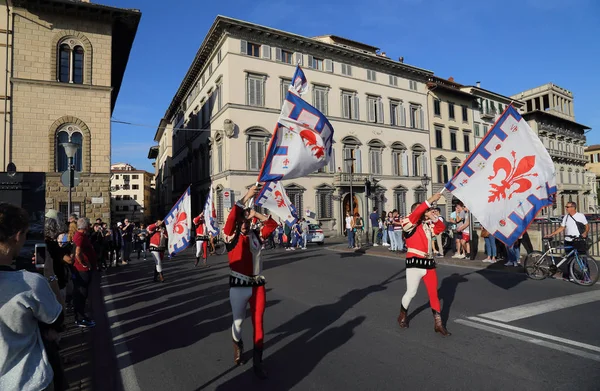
(330, 324)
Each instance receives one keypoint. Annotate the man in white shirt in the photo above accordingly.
(570, 224)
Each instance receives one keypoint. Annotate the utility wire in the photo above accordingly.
(159, 127)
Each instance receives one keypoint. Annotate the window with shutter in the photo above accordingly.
(299, 59)
(371, 108)
(329, 65)
(311, 61)
(358, 162)
(255, 90)
(421, 119)
(332, 162)
(402, 115)
(379, 111)
(355, 114)
(266, 51)
(244, 47)
(405, 165)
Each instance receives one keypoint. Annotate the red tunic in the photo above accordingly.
(155, 235)
(199, 227)
(244, 258)
(419, 243)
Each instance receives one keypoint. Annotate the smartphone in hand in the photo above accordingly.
(40, 255)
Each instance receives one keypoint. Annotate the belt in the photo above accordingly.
(420, 263)
(241, 280)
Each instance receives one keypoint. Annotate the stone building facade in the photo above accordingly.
(131, 193)
(549, 110)
(226, 107)
(68, 63)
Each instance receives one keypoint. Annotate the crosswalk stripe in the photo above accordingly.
(542, 307)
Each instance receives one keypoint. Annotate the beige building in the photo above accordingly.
(131, 193)
(66, 61)
(489, 106)
(592, 166)
(451, 123)
(223, 114)
(550, 113)
(162, 154)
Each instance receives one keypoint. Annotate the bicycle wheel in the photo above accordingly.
(220, 247)
(537, 265)
(584, 271)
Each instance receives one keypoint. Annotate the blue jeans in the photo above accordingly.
(384, 239)
(490, 243)
(350, 237)
(514, 253)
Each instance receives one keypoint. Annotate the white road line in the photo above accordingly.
(128, 377)
(538, 334)
(535, 341)
(542, 307)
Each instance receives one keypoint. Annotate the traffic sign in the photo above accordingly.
(64, 178)
(227, 198)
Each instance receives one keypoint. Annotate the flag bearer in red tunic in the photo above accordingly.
(419, 227)
(247, 284)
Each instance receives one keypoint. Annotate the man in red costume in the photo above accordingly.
(419, 259)
(201, 240)
(247, 285)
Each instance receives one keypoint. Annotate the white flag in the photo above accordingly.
(179, 224)
(507, 179)
(273, 197)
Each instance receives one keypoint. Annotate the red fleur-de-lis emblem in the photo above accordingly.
(465, 181)
(279, 199)
(179, 227)
(515, 174)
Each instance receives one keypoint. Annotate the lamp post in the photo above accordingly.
(425, 181)
(70, 151)
(351, 160)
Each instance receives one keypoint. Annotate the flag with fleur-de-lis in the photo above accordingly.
(507, 179)
(179, 223)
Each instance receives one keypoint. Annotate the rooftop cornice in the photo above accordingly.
(235, 27)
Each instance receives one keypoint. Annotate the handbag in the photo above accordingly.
(580, 226)
(485, 233)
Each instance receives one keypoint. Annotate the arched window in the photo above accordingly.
(351, 151)
(375, 156)
(256, 148)
(70, 61)
(419, 158)
(399, 159)
(68, 133)
(442, 169)
(400, 199)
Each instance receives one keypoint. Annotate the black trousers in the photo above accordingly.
(81, 283)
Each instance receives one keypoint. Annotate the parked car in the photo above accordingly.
(315, 234)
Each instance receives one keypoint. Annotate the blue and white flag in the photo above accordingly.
(507, 179)
(299, 82)
(179, 224)
(210, 215)
(273, 197)
(302, 141)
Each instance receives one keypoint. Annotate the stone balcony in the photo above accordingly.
(564, 155)
(343, 179)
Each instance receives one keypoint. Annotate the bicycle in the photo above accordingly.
(583, 268)
(219, 245)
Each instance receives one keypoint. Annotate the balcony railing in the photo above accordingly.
(343, 179)
(487, 113)
(565, 154)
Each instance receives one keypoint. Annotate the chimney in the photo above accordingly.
(401, 59)
(478, 84)
(383, 54)
(451, 78)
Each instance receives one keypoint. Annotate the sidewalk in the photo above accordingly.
(342, 246)
(88, 358)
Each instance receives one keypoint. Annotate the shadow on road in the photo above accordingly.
(297, 359)
(446, 294)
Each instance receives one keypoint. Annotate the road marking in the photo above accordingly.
(535, 341)
(538, 334)
(542, 307)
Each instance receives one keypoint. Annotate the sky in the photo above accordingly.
(509, 46)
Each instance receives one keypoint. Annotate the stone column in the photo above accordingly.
(571, 112)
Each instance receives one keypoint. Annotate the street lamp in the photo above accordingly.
(70, 150)
(351, 160)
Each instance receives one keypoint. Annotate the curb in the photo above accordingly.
(474, 265)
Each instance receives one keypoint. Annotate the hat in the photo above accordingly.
(52, 214)
(119, 224)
